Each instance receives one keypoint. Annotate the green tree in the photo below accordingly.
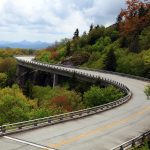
(3, 79)
(8, 66)
(110, 61)
(133, 42)
(112, 33)
(28, 88)
(14, 106)
(91, 27)
(145, 39)
(135, 64)
(58, 98)
(146, 63)
(83, 41)
(43, 94)
(95, 34)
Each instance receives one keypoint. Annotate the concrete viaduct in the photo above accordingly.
(103, 127)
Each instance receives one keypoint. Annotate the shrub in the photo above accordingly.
(44, 112)
(147, 91)
(8, 66)
(14, 106)
(97, 96)
(57, 97)
(3, 79)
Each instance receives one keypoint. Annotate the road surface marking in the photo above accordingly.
(28, 143)
(103, 128)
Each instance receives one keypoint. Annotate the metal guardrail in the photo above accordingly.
(109, 72)
(36, 123)
(97, 70)
(120, 74)
(137, 141)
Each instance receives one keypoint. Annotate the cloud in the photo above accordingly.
(105, 13)
(53, 19)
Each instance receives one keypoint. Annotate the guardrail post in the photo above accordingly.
(121, 147)
(3, 129)
(61, 118)
(49, 121)
(35, 123)
(133, 143)
(143, 138)
(20, 127)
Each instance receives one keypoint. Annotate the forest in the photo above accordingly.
(122, 47)
(34, 101)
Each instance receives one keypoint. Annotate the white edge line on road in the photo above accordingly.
(28, 143)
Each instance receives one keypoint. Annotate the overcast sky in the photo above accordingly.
(51, 20)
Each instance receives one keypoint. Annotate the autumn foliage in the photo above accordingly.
(54, 54)
(133, 19)
(61, 101)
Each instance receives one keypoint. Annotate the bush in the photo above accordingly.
(144, 146)
(77, 59)
(8, 66)
(57, 97)
(135, 64)
(147, 91)
(131, 64)
(97, 96)
(14, 106)
(145, 39)
(44, 112)
(3, 79)
(95, 61)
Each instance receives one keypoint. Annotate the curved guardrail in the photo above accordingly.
(36, 123)
(109, 72)
(137, 141)
(120, 74)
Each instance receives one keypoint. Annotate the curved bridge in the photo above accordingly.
(101, 131)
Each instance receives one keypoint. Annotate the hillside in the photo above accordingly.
(122, 47)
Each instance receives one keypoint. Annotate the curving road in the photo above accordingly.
(98, 132)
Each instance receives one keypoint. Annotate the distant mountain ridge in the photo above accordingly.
(24, 44)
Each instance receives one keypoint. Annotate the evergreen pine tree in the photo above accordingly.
(91, 27)
(110, 61)
(119, 19)
(76, 34)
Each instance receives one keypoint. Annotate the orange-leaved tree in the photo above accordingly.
(131, 21)
(134, 18)
(61, 101)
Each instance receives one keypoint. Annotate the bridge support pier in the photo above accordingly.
(55, 79)
(21, 74)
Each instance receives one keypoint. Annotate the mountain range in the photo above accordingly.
(24, 44)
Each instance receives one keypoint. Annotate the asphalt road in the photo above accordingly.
(98, 132)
